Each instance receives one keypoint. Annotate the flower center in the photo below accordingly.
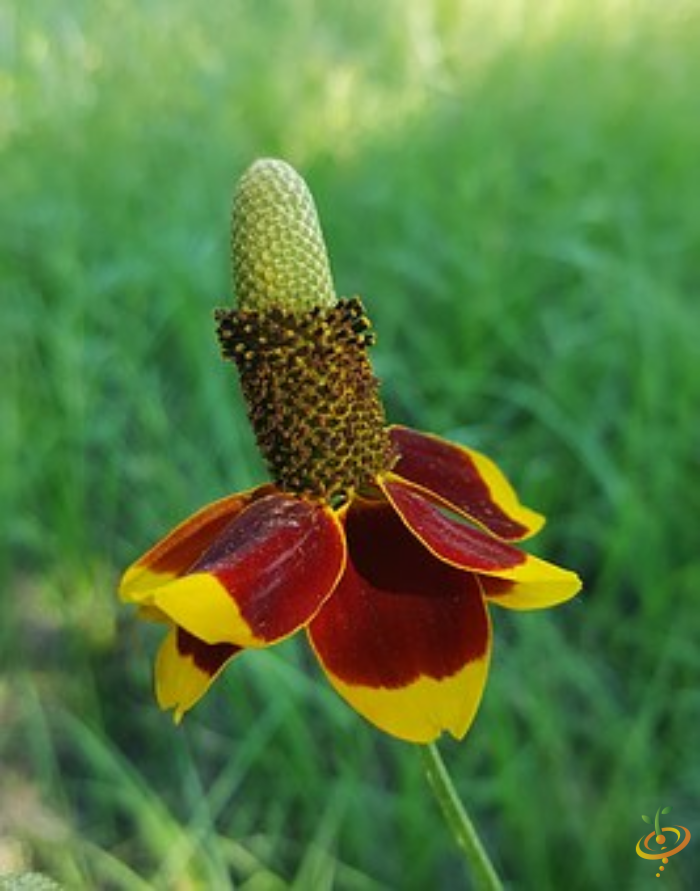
(312, 398)
(301, 353)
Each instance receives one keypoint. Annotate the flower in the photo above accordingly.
(385, 544)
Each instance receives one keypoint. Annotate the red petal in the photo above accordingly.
(465, 480)
(175, 554)
(460, 545)
(266, 574)
(449, 539)
(404, 638)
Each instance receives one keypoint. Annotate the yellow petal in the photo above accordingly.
(423, 709)
(202, 606)
(185, 669)
(537, 594)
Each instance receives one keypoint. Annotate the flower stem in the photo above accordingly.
(465, 835)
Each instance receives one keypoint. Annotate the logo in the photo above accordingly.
(660, 846)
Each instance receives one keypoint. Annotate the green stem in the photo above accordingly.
(465, 835)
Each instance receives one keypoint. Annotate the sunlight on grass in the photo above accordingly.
(357, 76)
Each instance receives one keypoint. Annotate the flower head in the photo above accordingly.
(385, 544)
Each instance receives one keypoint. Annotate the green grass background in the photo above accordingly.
(514, 189)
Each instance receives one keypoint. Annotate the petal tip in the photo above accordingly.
(533, 520)
(127, 585)
(185, 669)
(549, 585)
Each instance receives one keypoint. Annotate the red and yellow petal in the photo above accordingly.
(450, 539)
(177, 552)
(185, 669)
(526, 595)
(465, 480)
(265, 575)
(405, 639)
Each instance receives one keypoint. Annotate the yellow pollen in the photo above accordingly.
(312, 398)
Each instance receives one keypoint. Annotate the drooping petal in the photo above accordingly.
(175, 554)
(265, 575)
(467, 481)
(405, 639)
(185, 669)
(463, 546)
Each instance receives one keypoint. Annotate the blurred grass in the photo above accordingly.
(513, 189)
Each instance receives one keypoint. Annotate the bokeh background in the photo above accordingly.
(514, 189)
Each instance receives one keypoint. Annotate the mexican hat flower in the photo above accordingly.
(385, 545)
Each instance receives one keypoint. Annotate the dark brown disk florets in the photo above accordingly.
(312, 398)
